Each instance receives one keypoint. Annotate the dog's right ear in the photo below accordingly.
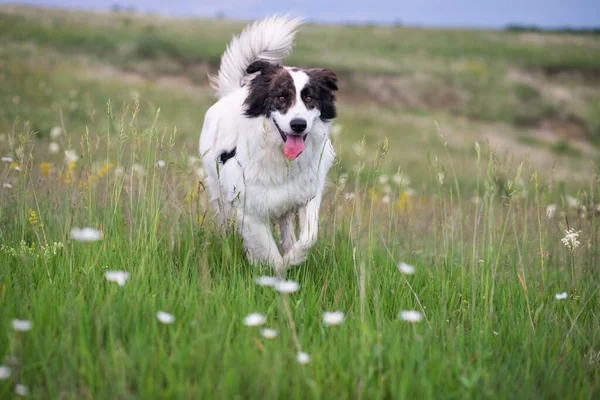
(260, 66)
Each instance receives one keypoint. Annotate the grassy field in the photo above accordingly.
(467, 155)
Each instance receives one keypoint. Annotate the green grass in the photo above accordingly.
(486, 276)
(488, 259)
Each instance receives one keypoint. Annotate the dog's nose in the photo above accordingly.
(298, 125)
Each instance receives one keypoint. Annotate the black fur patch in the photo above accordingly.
(273, 89)
(226, 155)
(320, 89)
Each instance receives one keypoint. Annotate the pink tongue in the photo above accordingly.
(294, 145)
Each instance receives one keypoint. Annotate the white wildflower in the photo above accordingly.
(71, 156)
(286, 287)
(572, 201)
(550, 211)
(7, 159)
(86, 234)
(302, 358)
(21, 325)
(266, 281)
(268, 333)
(495, 333)
(406, 269)
(165, 318)
(21, 390)
(571, 239)
(7, 185)
(400, 180)
(411, 316)
(255, 319)
(119, 277)
(119, 171)
(138, 170)
(441, 177)
(191, 161)
(385, 199)
(56, 132)
(4, 372)
(161, 163)
(383, 179)
(561, 296)
(333, 318)
(53, 148)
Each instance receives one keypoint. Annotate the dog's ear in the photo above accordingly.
(261, 66)
(324, 77)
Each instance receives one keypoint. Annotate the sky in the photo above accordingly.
(428, 13)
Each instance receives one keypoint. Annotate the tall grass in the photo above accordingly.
(488, 266)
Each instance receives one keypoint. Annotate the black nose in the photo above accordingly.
(298, 125)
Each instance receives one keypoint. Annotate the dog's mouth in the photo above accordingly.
(293, 144)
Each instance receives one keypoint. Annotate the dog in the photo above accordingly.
(265, 143)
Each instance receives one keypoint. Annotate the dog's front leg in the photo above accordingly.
(286, 231)
(309, 229)
(259, 242)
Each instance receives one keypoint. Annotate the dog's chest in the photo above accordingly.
(273, 187)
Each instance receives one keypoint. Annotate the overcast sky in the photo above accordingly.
(441, 13)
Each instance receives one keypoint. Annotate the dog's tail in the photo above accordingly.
(270, 39)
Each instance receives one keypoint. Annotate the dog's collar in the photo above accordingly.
(226, 155)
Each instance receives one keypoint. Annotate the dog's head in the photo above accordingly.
(292, 99)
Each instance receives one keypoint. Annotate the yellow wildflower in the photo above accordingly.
(45, 168)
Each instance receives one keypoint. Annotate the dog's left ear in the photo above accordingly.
(324, 77)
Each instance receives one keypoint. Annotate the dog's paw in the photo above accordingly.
(296, 255)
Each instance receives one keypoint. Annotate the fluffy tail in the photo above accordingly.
(270, 39)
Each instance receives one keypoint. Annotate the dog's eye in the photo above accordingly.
(308, 99)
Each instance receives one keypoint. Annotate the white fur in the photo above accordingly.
(259, 186)
(270, 39)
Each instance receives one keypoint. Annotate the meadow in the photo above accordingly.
(470, 156)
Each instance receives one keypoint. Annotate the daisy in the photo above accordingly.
(255, 319)
(161, 163)
(333, 318)
(410, 316)
(21, 390)
(7, 185)
(7, 159)
(86, 234)
(165, 318)
(5, 372)
(268, 333)
(21, 325)
(53, 148)
(71, 156)
(550, 211)
(383, 179)
(561, 296)
(286, 287)
(56, 132)
(266, 281)
(385, 199)
(302, 358)
(119, 277)
(406, 269)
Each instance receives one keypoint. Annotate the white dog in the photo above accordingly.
(265, 144)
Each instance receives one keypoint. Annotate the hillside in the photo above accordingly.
(530, 95)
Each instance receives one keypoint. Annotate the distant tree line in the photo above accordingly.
(565, 29)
